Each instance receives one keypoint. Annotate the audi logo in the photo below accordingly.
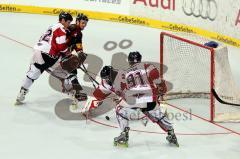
(206, 9)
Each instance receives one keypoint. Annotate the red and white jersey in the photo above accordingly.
(103, 90)
(141, 80)
(135, 85)
(53, 41)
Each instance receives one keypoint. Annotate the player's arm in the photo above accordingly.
(79, 48)
(153, 76)
(74, 38)
(75, 42)
(78, 41)
(102, 91)
(60, 40)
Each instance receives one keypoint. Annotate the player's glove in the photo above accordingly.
(162, 88)
(81, 57)
(70, 62)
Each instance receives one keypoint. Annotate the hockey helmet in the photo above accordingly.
(134, 57)
(81, 16)
(212, 44)
(106, 73)
(66, 16)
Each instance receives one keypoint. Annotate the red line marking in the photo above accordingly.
(6, 37)
(152, 132)
(218, 125)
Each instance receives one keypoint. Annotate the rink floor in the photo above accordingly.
(34, 130)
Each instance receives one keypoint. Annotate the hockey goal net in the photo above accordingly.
(194, 70)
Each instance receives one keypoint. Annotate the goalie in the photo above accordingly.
(138, 88)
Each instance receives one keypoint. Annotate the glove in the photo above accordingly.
(162, 88)
(69, 63)
(81, 57)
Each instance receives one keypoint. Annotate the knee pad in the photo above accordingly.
(33, 72)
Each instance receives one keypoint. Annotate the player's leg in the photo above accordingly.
(76, 89)
(124, 114)
(123, 117)
(40, 62)
(155, 114)
(31, 76)
(70, 63)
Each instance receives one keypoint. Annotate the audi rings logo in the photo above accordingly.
(206, 9)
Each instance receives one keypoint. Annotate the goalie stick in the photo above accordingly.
(221, 100)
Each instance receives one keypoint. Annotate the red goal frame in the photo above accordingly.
(212, 65)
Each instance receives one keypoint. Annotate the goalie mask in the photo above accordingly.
(106, 73)
(134, 57)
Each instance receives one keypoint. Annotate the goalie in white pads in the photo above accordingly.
(138, 88)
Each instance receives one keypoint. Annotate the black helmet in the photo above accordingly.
(109, 74)
(134, 57)
(212, 44)
(106, 72)
(81, 16)
(66, 16)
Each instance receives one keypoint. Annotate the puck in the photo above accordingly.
(107, 117)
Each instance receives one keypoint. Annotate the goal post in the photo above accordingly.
(195, 69)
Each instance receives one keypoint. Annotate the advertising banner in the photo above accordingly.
(111, 6)
(218, 16)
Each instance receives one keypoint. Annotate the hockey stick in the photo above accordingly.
(52, 74)
(89, 76)
(222, 101)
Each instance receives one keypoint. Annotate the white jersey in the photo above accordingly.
(140, 82)
(135, 85)
(53, 41)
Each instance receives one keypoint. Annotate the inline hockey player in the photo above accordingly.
(51, 46)
(139, 88)
(75, 44)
